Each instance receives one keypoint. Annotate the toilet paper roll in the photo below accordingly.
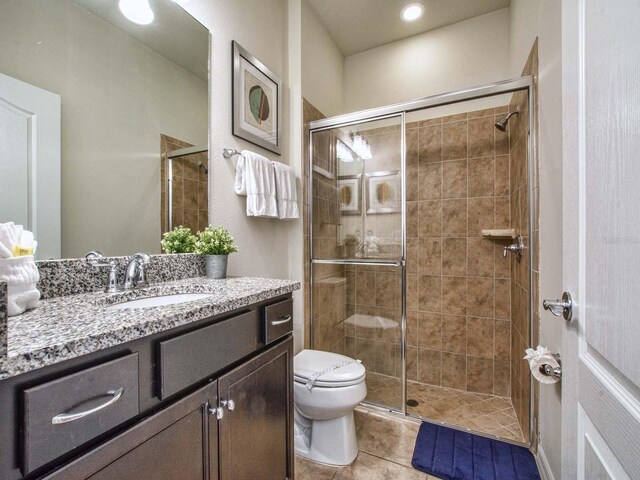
(539, 357)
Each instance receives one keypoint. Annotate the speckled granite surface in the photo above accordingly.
(3, 319)
(62, 328)
(73, 276)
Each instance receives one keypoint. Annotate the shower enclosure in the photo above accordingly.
(184, 185)
(411, 207)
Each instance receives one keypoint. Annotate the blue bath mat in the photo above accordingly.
(454, 455)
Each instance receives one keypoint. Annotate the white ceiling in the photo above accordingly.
(359, 25)
(174, 33)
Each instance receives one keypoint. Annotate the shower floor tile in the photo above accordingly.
(481, 413)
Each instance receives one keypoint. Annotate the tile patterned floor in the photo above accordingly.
(486, 414)
(386, 447)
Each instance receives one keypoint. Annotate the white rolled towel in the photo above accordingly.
(21, 276)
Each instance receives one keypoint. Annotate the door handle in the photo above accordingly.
(562, 307)
(217, 411)
(230, 404)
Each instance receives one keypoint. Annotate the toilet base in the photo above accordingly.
(332, 442)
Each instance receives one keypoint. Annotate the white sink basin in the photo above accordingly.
(160, 301)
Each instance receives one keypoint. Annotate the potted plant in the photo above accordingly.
(178, 240)
(351, 242)
(215, 244)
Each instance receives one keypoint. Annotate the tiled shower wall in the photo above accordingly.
(190, 196)
(521, 338)
(458, 285)
(458, 295)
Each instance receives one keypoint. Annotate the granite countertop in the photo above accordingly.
(65, 327)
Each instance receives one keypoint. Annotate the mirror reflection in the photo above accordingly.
(98, 111)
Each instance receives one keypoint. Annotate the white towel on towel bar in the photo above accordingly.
(255, 178)
(286, 191)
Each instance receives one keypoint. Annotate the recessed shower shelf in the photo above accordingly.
(507, 233)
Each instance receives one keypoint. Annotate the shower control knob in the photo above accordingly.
(517, 248)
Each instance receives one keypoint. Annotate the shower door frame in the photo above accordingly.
(401, 109)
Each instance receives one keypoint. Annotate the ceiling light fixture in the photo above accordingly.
(412, 12)
(138, 11)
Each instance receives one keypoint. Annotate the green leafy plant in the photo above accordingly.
(351, 240)
(178, 240)
(215, 241)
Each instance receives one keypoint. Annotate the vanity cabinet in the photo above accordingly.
(180, 442)
(238, 427)
(209, 400)
(256, 435)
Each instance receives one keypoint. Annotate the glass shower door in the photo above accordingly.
(357, 250)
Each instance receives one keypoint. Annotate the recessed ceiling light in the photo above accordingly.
(138, 11)
(412, 12)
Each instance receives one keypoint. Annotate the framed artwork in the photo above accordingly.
(257, 101)
(384, 192)
(350, 193)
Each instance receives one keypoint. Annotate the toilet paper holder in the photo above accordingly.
(549, 371)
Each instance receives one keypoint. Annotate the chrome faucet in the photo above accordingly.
(135, 276)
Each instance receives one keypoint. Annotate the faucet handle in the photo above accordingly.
(141, 259)
(96, 259)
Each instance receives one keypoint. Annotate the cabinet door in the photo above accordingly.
(256, 433)
(178, 443)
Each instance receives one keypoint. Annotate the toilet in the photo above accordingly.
(324, 428)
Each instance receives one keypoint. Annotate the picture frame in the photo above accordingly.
(384, 192)
(350, 194)
(257, 101)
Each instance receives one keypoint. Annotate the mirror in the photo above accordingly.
(95, 110)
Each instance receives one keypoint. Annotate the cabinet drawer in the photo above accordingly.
(278, 320)
(191, 357)
(65, 413)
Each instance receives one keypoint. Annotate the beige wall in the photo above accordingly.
(461, 55)
(542, 18)
(261, 28)
(110, 165)
(322, 66)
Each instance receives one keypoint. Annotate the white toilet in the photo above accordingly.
(324, 428)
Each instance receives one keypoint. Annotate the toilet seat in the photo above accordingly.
(308, 362)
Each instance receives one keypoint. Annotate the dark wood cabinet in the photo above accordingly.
(239, 427)
(178, 443)
(256, 430)
(208, 400)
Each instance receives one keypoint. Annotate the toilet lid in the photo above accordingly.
(308, 362)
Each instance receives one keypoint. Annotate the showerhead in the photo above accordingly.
(502, 124)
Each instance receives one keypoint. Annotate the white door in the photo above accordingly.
(601, 214)
(30, 162)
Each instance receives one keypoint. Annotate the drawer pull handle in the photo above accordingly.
(114, 396)
(282, 319)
